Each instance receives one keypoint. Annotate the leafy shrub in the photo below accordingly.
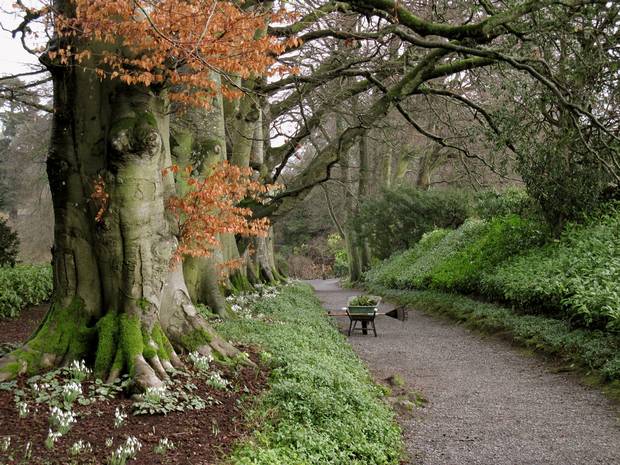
(502, 238)
(389, 273)
(415, 267)
(9, 244)
(491, 204)
(338, 249)
(562, 175)
(322, 406)
(398, 219)
(23, 285)
(511, 259)
(579, 274)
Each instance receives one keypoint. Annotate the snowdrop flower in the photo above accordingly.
(79, 370)
(200, 362)
(119, 417)
(155, 394)
(71, 391)
(164, 445)
(5, 443)
(52, 437)
(23, 409)
(216, 381)
(62, 420)
(80, 446)
(125, 451)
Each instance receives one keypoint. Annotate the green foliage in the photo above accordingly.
(176, 396)
(415, 267)
(563, 176)
(577, 275)
(363, 301)
(391, 273)
(22, 286)
(594, 351)
(511, 259)
(338, 249)
(500, 239)
(400, 217)
(9, 244)
(322, 407)
(513, 201)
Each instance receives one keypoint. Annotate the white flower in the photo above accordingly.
(119, 417)
(125, 451)
(216, 381)
(200, 362)
(62, 420)
(52, 437)
(71, 391)
(78, 370)
(155, 394)
(164, 445)
(5, 443)
(22, 409)
(80, 446)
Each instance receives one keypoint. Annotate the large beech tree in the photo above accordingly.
(118, 300)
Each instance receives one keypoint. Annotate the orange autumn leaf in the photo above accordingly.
(210, 207)
(171, 43)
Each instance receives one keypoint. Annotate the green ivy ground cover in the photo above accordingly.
(23, 285)
(515, 261)
(321, 406)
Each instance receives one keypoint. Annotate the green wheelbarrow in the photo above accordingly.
(362, 309)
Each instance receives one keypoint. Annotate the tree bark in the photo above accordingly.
(118, 303)
(200, 141)
(364, 193)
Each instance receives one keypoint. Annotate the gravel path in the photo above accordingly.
(487, 403)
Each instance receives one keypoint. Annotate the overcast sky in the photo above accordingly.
(13, 58)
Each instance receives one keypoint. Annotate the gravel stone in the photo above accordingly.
(488, 403)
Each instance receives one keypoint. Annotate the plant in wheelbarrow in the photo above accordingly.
(362, 309)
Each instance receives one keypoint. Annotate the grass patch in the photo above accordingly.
(322, 406)
(595, 352)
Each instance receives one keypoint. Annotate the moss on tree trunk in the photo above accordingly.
(118, 303)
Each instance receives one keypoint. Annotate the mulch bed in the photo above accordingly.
(200, 437)
(18, 329)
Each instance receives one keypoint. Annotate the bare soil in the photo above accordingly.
(469, 399)
(200, 437)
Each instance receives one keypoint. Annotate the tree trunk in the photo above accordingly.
(246, 129)
(428, 164)
(201, 142)
(350, 237)
(118, 303)
(386, 171)
(364, 193)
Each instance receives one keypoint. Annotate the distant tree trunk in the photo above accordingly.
(428, 164)
(387, 169)
(246, 136)
(350, 207)
(117, 301)
(364, 193)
